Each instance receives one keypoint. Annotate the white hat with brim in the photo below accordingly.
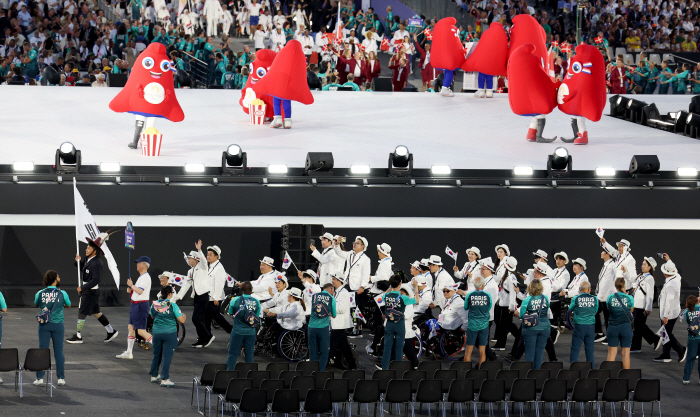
(624, 242)
(510, 263)
(268, 261)
(311, 273)
(339, 275)
(504, 247)
(215, 249)
(563, 255)
(416, 264)
(296, 293)
(435, 260)
(476, 251)
(384, 248)
(580, 262)
(326, 236)
(451, 287)
(421, 281)
(487, 262)
(408, 288)
(425, 262)
(281, 277)
(669, 268)
(540, 254)
(364, 242)
(651, 261)
(194, 255)
(541, 267)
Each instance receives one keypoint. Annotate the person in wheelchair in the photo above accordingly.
(453, 316)
(290, 315)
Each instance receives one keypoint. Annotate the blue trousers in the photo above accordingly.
(449, 76)
(0, 332)
(55, 332)
(319, 340)
(583, 333)
(164, 345)
(279, 103)
(693, 346)
(488, 79)
(663, 88)
(237, 341)
(394, 339)
(535, 341)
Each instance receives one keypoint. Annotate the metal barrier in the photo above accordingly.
(198, 70)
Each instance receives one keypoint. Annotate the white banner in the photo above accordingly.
(85, 227)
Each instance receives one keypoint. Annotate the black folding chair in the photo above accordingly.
(37, 360)
(219, 386)
(206, 379)
(429, 367)
(399, 392)
(492, 367)
(384, 376)
(319, 401)
(508, 375)
(614, 391)
(632, 376)
(446, 376)
(415, 377)
(539, 375)
(461, 367)
(648, 391)
(400, 366)
(366, 392)
(493, 391)
(553, 367)
(478, 376)
(614, 366)
(429, 391)
(270, 386)
(522, 391)
(353, 375)
(233, 394)
(461, 391)
(285, 401)
(253, 401)
(585, 392)
(554, 392)
(288, 376)
(522, 367)
(570, 376)
(320, 378)
(257, 377)
(340, 392)
(9, 362)
(276, 368)
(308, 367)
(600, 375)
(243, 368)
(582, 366)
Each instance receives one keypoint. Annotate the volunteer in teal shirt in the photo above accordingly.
(535, 337)
(478, 305)
(395, 328)
(691, 313)
(652, 78)
(621, 306)
(54, 299)
(3, 308)
(318, 334)
(665, 74)
(166, 315)
(246, 312)
(584, 306)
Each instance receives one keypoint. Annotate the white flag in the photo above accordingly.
(183, 3)
(664, 335)
(287, 261)
(85, 227)
(600, 232)
(451, 253)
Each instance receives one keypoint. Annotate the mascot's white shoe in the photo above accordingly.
(276, 122)
(477, 93)
(446, 92)
(489, 93)
(482, 93)
(287, 123)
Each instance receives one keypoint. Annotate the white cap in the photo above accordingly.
(312, 274)
(421, 280)
(563, 255)
(669, 268)
(540, 254)
(215, 249)
(295, 292)
(194, 255)
(624, 242)
(475, 250)
(542, 268)
(425, 262)
(452, 287)
(268, 261)
(408, 288)
(435, 260)
(510, 263)
(487, 262)
(384, 248)
(504, 247)
(364, 242)
(651, 261)
(580, 262)
(326, 236)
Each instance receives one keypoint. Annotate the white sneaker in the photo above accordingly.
(686, 382)
(446, 92)
(125, 355)
(167, 383)
(277, 122)
(477, 93)
(287, 123)
(156, 378)
(489, 93)
(0, 380)
(210, 341)
(39, 383)
(61, 382)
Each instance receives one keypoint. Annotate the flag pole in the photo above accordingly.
(77, 242)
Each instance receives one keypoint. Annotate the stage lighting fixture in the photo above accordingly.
(634, 110)
(400, 161)
(618, 106)
(234, 160)
(522, 171)
(109, 166)
(604, 172)
(692, 125)
(277, 169)
(194, 168)
(20, 166)
(652, 118)
(694, 106)
(644, 165)
(440, 170)
(681, 121)
(559, 163)
(67, 158)
(318, 163)
(687, 172)
(359, 169)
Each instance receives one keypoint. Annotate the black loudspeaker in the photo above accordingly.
(293, 230)
(296, 239)
(694, 105)
(644, 164)
(319, 163)
(382, 84)
(50, 76)
(410, 89)
(117, 80)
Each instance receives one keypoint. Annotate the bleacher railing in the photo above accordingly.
(198, 70)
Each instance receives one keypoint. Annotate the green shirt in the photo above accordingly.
(620, 314)
(478, 303)
(354, 86)
(331, 87)
(531, 305)
(47, 297)
(221, 67)
(666, 74)
(32, 55)
(689, 316)
(682, 80)
(584, 307)
(3, 305)
(395, 301)
(162, 39)
(319, 302)
(165, 314)
(239, 307)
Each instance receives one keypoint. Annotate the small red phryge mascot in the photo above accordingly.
(149, 93)
(447, 52)
(258, 69)
(488, 57)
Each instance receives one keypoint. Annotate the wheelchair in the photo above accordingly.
(273, 340)
(449, 344)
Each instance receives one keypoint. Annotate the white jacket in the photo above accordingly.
(625, 259)
(669, 298)
(574, 287)
(474, 269)
(383, 274)
(491, 287)
(277, 40)
(343, 319)
(320, 42)
(560, 280)
(408, 315)
(260, 37)
(442, 278)
(606, 281)
(506, 296)
(426, 297)
(197, 279)
(328, 265)
(277, 300)
(261, 285)
(357, 268)
(306, 42)
(643, 292)
(217, 280)
(454, 315)
(290, 316)
(309, 291)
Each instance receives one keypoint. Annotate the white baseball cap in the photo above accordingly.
(563, 255)
(510, 263)
(268, 261)
(669, 268)
(215, 249)
(580, 262)
(651, 261)
(487, 262)
(312, 274)
(475, 250)
(364, 242)
(194, 255)
(408, 288)
(384, 248)
(504, 247)
(326, 236)
(435, 260)
(540, 254)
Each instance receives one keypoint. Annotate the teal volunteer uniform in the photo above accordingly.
(395, 328)
(165, 314)
(693, 343)
(53, 298)
(535, 337)
(620, 322)
(3, 306)
(665, 74)
(245, 309)
(584, 306)
(478, 304)
(319, 339)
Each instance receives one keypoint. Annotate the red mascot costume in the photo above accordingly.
(488, 58)
(447, 52)
(149, 93)
(258, 69)
(286, 82)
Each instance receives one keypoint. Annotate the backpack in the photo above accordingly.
(532, 320)
(320, 308)
(45, 314)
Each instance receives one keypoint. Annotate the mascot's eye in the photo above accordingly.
(261, 72)
(576, 67)
(148, 62)
(164, 66)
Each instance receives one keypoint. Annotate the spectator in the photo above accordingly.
(351, 83)
(332, 84)
(312, 77)
(400, 74)
(99, 81)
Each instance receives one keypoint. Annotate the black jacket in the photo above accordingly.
(90, 273)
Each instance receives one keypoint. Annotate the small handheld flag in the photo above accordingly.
(358, 315)
(352, 300)
(598, 40)
(451, 254)
(379, 300)
(230, 281)
(600, 232)
(287, 261)
(428, 34)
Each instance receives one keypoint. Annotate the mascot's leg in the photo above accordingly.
(446, 91)
(140, 121)
(287, 107)
(489, 86)
(277, 121)
(480, 86)
(574, 126)
(582, 135)
(534, 133)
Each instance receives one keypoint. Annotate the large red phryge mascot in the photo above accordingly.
(447, 52)
(488, 58)
(258, 69)
(284, 82)
(149, 93)
(582, 93)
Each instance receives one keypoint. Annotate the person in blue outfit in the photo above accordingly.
(394, 328)
(246, 312)
(692, 310)
(584, 306)
(478, 305)
(166, 314)
(535, 335)
(53, 300)
(318, 333)
(621, 305)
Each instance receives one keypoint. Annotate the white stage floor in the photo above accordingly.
(359, 128)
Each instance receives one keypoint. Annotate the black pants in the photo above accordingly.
(339, 340)
(556, 311)
(201, 304)
(673, 343)
(409, 349)
(215, 314)
(602, 308)
(504, 325)
(641, 330)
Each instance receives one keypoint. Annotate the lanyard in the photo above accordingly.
(436, 278)
(447, 305)
(352, 264)
(211, 267)
(605, 268)
(574, 281)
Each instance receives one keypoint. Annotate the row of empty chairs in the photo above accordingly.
(35, 360)
(655, 58)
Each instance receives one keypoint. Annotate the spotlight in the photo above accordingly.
(687, 172)
(68, 158)
(694, 106)
(618, 106)
(440, 170)
(634, 110)
(23, 166)
(400, 161)
(359, 169)
(692, 125)
(681, 122)
(234, 160)
(194, 168)
(319, 163)
(652, 118)
(644, 165)
(522, 171)
(277, 169)
(109, 166)
(605, 172)
(559, 163)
